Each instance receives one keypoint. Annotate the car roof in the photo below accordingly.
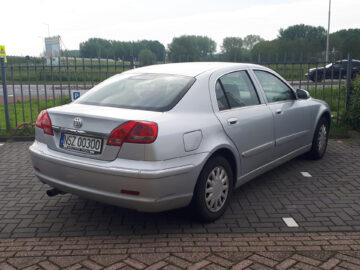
(192, 69)
(345, 60)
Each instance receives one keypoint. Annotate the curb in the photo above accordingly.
(18, 139)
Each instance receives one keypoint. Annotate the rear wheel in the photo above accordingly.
(316, 78)
(213, 189)
(320, 139)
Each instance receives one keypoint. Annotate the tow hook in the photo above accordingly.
(53, 192)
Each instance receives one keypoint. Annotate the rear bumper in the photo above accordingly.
(162, 185)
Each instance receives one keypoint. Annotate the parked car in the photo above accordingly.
(335, 70)
(175, 135)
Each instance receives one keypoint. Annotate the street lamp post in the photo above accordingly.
(327, 36)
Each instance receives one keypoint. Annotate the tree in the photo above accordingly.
(265, 48)
(303, 31)
(346, 42)
(250, 40)
(232, 48)
(97, 47)
(70, 53)
(146, 57)
(155, 47)
(293, 43)
(191, 48)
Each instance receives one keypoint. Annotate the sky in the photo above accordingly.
(24, 23)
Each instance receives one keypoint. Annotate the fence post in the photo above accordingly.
(348, 80)
(5, 94)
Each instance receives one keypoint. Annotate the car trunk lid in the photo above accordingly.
(79, 129)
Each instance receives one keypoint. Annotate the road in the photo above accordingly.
(23, 92)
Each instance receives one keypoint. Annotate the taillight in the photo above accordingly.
(43, 121)
(134, 132)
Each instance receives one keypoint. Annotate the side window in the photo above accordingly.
(221, 99)
(235, 90)
(344, 64)
(274, 88)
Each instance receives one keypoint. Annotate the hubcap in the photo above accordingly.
(322, 138)
(216, 189)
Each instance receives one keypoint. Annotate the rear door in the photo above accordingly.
(246, 120)
(292, 121)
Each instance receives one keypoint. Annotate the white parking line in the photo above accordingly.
(306, 174)
(1, 144)
(290, 222)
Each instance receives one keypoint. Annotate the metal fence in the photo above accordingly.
(29, 87)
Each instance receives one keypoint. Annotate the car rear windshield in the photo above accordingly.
(154, 92)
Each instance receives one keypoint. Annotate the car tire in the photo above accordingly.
(215, 180)
(320, 139)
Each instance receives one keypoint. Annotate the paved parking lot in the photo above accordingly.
(37, 232)
(327, 201)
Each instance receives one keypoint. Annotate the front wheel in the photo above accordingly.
(317, 77)
(213, 189)
(320, 139)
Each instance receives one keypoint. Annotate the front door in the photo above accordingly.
(291, 119)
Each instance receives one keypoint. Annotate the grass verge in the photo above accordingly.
(26, 112)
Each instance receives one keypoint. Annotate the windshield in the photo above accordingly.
(154, 92)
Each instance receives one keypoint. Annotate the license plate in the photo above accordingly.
(85, 144)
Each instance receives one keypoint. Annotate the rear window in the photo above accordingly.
(154, 92)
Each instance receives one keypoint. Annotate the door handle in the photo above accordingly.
(232, 121)
(278, 111)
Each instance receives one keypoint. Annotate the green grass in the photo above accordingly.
(64, 74)
(334, 96)
(294, 72)
(70, 70)
(97, 70)
(27, 111)
(338, 128)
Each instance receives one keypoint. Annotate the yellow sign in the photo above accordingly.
(3, 52)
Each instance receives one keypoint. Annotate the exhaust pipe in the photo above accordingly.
(53, 192)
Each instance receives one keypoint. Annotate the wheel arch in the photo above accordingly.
(322, 112)
(327, 116)
(230, 157)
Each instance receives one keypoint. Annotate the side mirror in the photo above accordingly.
(302, 94)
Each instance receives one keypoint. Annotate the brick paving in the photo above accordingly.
(68, 232)
(339, 250)
(327, 201)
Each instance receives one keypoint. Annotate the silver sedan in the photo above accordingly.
(175, 135)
